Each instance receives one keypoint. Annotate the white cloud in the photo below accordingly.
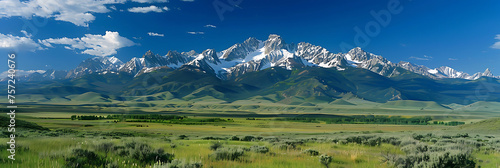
(188, 0)
(26, 33)
(4, 74)
(155, 34)
(9, 41)
(98, 45)
(78, 12)
(196, 32)
(151, 8)
(150, 1)
(45, 43)
(497, 44)
(452, 59)
(424, 58)
(211, 26)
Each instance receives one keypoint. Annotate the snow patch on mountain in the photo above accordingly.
(256, 55)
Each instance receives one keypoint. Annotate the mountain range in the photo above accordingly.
(249, 56)
(270, 70)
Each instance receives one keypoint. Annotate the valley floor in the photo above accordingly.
(218, 139)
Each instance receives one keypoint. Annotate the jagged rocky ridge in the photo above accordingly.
(253, 55)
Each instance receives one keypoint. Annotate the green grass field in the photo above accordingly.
(250, 135)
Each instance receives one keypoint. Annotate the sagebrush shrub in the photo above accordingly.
(176, 163)
(311, 152)
(325, 159)
(146, 155)
(84, 158)
(228, 154)
(259, 149)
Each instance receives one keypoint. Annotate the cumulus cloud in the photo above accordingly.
(155, 34)
(78, 12)
(497, 44)
(148, 9)
(97, 45)
(196, 33)
(9, 41)
(211, 26)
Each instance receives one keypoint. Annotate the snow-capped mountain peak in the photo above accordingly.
(275, 42)
(96, 64)
(359, 55)
(114, 60)
(105, 60)
(240, 51)
(487, 73)
(208, 55)
(450, 72)
(175, 59)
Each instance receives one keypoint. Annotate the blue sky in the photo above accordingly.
(59, 34)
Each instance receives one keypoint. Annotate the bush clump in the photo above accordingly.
(84, 158)
(444, 154)
(228, 154)
(105, 147)
(286, 145)
(248, 138)
(259, 149)
(147, 155)
(215, 146)
(369, 140)
(452, 159)
(235, 138)
(176, 163)
(325, 160)
(311, 152)
(181, 137)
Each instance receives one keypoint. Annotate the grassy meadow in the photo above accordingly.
(245, 135)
